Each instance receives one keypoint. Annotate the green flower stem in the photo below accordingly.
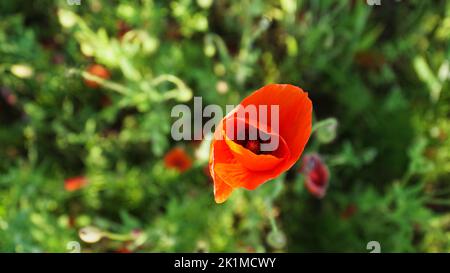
(123, 90)
(169, 78)
(106, 83)
(182, 92)
(222, 48)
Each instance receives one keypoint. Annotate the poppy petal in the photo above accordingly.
(253, 161)
(315, 189)
(220, 152)
(221, 190)
(236, 175)
(316, 175)
(239, 167)
(295, 114)
(258, 162)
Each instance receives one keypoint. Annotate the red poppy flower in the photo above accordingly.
(99, 71)
(316, 175)
(178, 159)
(241, 162)
(75, 183)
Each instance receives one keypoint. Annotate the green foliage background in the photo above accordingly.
(382, 72)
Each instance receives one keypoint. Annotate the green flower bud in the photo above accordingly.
(326, 130)
(276, 239)
(90, 234)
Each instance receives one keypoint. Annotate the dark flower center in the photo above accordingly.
(251, 138)
(253, 145)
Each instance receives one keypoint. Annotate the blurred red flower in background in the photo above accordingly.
(349, 211)
(122, 29)
(99, 71)
(241, 163)
(123, 249)
(75, 183)
(177, 158)
(316, 175)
